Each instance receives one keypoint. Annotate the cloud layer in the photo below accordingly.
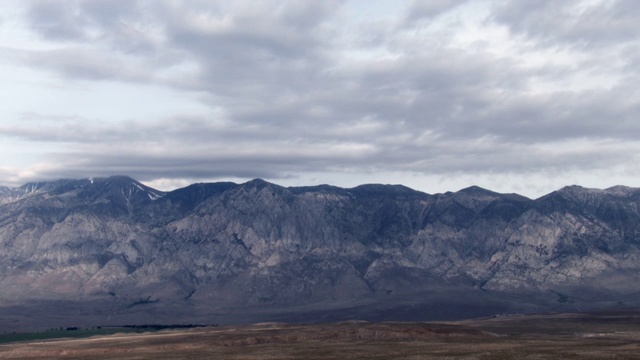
(326, 90)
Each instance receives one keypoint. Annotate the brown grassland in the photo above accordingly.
(613, 335)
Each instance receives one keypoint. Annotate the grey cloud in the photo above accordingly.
(81, 20)
(56, 20)
(104, 26)
(426, 10)
(244, 159)
(194, 148)
(95, 131)
(445, 158)
(573, 22)
(98, 39)
(86, 64)
(631, 68)
(546, 118)
(257, 55)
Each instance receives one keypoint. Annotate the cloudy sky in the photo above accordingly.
(515, 96)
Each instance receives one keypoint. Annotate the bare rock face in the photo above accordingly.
(269, 252)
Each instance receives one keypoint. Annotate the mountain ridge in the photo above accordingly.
(30, 187)
(257, 250)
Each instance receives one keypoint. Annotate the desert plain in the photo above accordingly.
(604, 335)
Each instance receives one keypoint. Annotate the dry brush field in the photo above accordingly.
(562, 336)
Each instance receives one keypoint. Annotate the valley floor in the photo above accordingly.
(561, 336)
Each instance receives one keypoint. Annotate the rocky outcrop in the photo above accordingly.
(257, 246)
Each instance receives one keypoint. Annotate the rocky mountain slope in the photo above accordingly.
(259, 251)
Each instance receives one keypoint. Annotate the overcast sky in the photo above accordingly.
(515, 96)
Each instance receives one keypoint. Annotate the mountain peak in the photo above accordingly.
(380, 189)
(575, 188)
(94, 187)
(259, 184)
(120, 179)
(258, 181)
(477, 190)
(620, 190)
(127, 186)
(56, 186)
(578, 192)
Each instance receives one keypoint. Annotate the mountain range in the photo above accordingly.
(113, 251)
